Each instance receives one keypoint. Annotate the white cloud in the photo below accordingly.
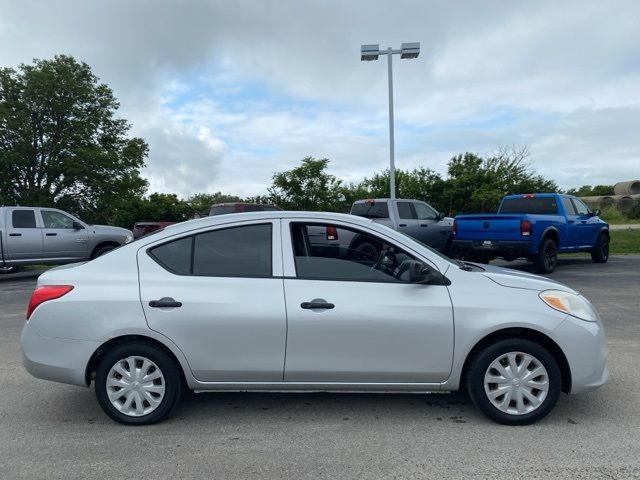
(226, 93)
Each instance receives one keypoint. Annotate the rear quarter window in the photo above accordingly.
(531, 205)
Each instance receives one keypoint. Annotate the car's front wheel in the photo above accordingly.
(514, 381)
(137, 384)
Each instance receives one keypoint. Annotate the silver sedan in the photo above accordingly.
(247, 302)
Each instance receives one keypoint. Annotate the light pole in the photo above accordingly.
(372, 52)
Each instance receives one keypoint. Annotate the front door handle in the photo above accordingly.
(402, 225)
(15, 234)
(424, 224)
(317, 303)
(51, 234)
(165, 302)
(572, 221)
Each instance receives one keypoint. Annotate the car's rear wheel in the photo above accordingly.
(600, 252)
(514, 381)
(4, 270)
(547, 258)
(137, 384)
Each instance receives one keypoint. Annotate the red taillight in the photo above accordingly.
(332, 233)
(525, 228)
(44, 293)
(454, 227)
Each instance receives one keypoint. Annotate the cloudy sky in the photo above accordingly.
(227, 92)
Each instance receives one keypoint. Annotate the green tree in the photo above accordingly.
(589, 191)
(307, 187)
(420, 184)
(61, 143)
(477, 184)
(200, 203)
(157, 207)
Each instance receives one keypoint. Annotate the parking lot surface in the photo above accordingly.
(49, 430)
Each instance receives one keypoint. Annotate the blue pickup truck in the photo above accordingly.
(532, 226)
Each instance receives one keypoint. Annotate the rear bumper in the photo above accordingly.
(497, 248)
(55, 359)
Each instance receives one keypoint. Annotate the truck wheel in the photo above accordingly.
(600, 252)
(7, 269)
(547, 258)
(102, 250)
(366, 251)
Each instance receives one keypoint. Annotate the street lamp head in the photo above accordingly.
(369, 52)
(410, 50)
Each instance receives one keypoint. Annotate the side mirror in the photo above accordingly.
(440, 216)
(596, 212)
(77, 225)
(418, 272)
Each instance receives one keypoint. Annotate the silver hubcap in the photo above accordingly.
(135, 386)
(516, 383)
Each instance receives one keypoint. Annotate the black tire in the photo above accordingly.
(165, 363)
(4, 270)
(600, 252)
(479, 366)
(102, 250)
(546, 259)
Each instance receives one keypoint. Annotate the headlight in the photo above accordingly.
(569, 303)
(128, 239)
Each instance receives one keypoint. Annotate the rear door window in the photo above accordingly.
(23, 219)
(238, 251)
(175, 256)
(229, 252)
(568, 206)
(405, 211)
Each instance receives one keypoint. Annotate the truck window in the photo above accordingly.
(370, 209)
(405, 211)
(568, 206)
(532, 205)
(23, 219)
(581, 208)
(424, 212)
(53, 219)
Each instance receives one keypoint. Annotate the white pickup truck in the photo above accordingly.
(34, 235)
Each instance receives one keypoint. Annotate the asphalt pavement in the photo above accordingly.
(51, 431)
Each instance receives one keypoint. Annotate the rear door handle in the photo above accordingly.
(583, 221)
(572, 221)
(317, 303)
(51, 234)
(165, 302)
(15, 234)
(424, 224)
(402, 225)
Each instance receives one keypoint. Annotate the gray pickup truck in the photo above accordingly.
(414, 218)
(34, 235)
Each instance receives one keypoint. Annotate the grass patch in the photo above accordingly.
(613, 216)
(624, 241)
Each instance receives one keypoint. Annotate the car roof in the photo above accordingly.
(267, 215)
